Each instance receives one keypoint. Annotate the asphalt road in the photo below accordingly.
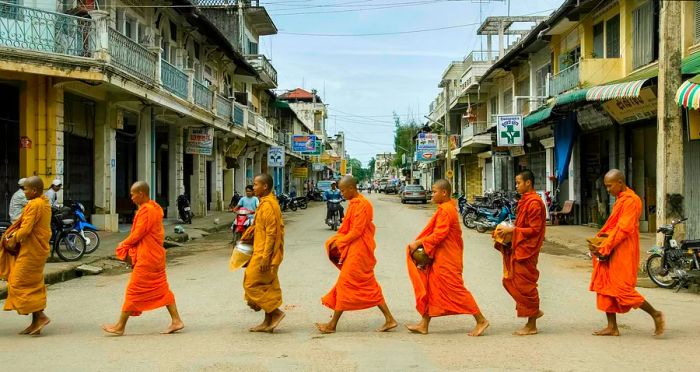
(216, 336)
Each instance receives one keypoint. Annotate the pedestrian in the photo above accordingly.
(261, 283)
(24, 249)
(52, 192)
(520, 273)
(148, 287)
(351, 249)
(18, 201)
(616, 259)
(439, 287)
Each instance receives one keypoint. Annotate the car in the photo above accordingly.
(391, 189)
(414, 193)
(382, 186)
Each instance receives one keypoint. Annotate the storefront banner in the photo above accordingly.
(300, 172)
(319, 167)
(510, 130)
(627, 110)
(565, 131)
(275, 156)
(343, 166)
(200, 141)
(304, 144)
(427, 141)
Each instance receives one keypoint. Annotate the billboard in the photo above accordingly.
(303, 143)
(200, 141)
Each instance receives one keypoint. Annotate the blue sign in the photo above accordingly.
(304, 143)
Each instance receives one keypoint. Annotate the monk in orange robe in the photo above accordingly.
(439, 287)
(520, 273)
(148, 287)
(23, 252)
(352, 251)
(261, 283)
(616, 259)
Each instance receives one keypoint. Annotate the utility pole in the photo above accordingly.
(670, 171)
(448, 166)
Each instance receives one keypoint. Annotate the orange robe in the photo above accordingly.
(615, 280)
(148, 287)
(520, 273)
(439, 288)
(26, 291)
(356, 288)
(262, 290)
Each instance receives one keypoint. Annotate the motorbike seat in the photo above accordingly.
(691, 243)
(67, 222)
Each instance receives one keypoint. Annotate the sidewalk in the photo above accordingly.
(57, 271)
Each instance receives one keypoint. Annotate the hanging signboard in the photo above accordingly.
(200, 141)
(426, 155)
(517, 151)
(343, 166)
(427, 141)
(305, 144)
(300, 172)
(693, 125)
(627, 110)
(318, 167)
(275, 157)
(510, 130)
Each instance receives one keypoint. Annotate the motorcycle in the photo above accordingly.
(244, 218)
(315, 195)
(65, 241)
(674, 265)
(285, 202)
(87, 230)
(234, 200)
(334, 206)
(184, 210)
(488, 218)
(301, 201)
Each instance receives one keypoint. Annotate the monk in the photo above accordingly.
(439, 288)
(148, 287)
(261, 283)
(352, 252)
(24, 249)
(520, 273)
(616, 259)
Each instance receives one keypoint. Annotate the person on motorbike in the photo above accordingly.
(333, 194)
(249, 202)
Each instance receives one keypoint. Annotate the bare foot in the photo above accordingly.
(388, 326)
(174, 327)
(325, 328)
(419, 328)
(113, 329)
(540, 314)
(479, 328)
(26, 330)
(526, 331)
(607, 332)
(275, 319)
(259, 328)
(40, 324)
(659, 324)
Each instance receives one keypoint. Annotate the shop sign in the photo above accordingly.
(454, 142)
(427, 141)
(548, 143)
(305, 144)
(517, 151)
(510, 130)
(591, 118)
(319, 167)
(426, 155)
(343, 166)
(319, 149)
(627, 110)
(200, 141)
(693, 125)
(275, 157)
(300, 172)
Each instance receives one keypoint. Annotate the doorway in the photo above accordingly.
(9, 146)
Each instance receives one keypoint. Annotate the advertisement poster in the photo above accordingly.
(200, 141)
(305, 144)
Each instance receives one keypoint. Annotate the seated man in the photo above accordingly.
(333, 194)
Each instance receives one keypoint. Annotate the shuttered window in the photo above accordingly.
(612, 37)
(508, 101)
(598, 40)
(643, 35)
(697, 21)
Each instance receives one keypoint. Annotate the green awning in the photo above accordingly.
(281, 104)
(576, 95)
(543, 113)
(691, 64)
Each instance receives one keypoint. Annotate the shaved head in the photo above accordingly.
(141, 186)
(266, 179)
(348, 181)
(615, 182)
(615, 175)
(34, 182)
(445, 185)
(262, 185)
(348, 187)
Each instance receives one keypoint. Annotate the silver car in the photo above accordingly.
(414, 193)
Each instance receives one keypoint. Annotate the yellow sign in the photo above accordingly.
(449, 173)
(300, 172)
(627, 110)
(343, 166)
(693, 125)
(326, 159)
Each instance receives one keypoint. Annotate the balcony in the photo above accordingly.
(203, 96)
(174, 80)
(223, 107)
(239, 115)
(263, 66)
(259, 124)
(566, 79)
(475, 135)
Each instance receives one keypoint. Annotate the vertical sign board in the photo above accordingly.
(275, 157)
(510, 131)
(200, 141)
(426, 147)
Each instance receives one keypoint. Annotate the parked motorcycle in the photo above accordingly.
(87, 230)
(302, 202)
(488, 218)
(244, 218)
(285, 202)
(334, 206)
(184, 210)
(66, 242)
(315, 195)
(674, 265)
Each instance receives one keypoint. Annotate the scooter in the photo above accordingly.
(285, 202)
(489, 218)
(87, 230)
(674, 265)
(334, 206)
(244, 218)
(184, 210)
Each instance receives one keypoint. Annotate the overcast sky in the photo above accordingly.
(364, 79)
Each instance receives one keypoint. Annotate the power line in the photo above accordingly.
(382, 33)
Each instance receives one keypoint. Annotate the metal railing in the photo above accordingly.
(251, 120)
(203, 96)
(132, 57)
(566, 79)
(481, 56)
(174, 80)
(262, 64)
(44, 31)
(238, 115)
(264, 127)
(223, 107)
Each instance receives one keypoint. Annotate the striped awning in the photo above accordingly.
(612, 91)
(688, 95)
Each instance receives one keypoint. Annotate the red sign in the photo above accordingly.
(25, 142)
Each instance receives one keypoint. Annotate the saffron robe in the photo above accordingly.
(614, 280)
(26, 291)
(439, 288)
(148, 286)
(520, 272)
(262, 289)
(356, 287)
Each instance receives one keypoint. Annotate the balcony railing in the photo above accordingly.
(238, 115)
(44, 31)
(223, 107)
(566, 79)
(264, 127)
(132, 57)
(263, 65)
(481, 56)
(174, 80)
(203, 96)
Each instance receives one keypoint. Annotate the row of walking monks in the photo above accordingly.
(438, 286)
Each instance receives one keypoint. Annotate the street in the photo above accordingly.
(216, 337)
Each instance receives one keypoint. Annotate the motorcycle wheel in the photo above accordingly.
(303, 205)
(335, 222)
(236, 236)
(481, 224)
(469, 220)
(92, 241)
(293, 207)
(70, 246)
(660, 276)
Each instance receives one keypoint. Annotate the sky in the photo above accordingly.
(364, 78)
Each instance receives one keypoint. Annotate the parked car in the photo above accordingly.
(391, 189)
(414, 193)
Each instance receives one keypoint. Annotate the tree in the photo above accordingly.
(371, 166)
(403, 139)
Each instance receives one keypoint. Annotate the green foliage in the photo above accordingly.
(403, 139)
(361, 174)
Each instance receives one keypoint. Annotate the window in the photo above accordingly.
(494, 106)
(129, 28)
(173, 31)
(508, 101)
(569, 58)
(7, 10)
(697, 22)
(612, 37)
(252, 47)
(522, 91)
(541, 80)
(165, 46)
(143, 37)
(643, 35)
(598, 40)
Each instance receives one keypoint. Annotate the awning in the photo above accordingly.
(281, 104)
(572, 96)
(688, 95)
(612, 91)
(542, 113)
